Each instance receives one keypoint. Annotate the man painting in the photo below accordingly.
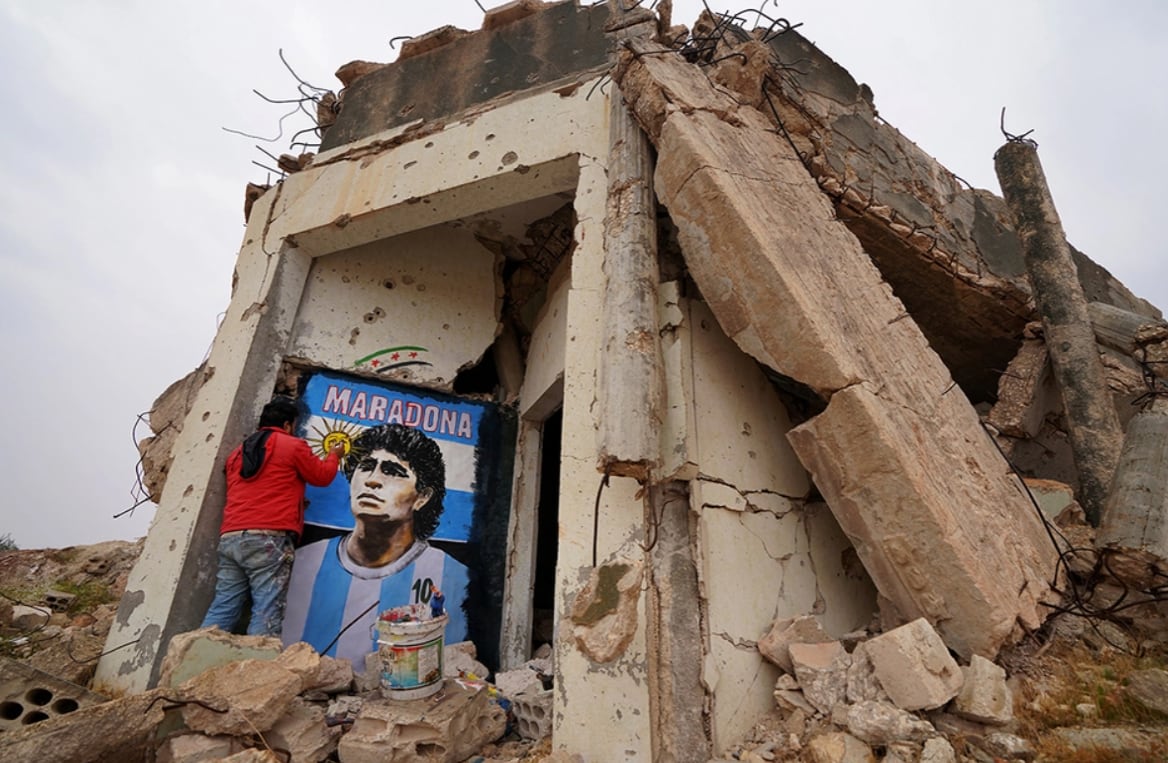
(263, 516)
(340, 585)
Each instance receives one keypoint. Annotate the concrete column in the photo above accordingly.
(172, 583)
(677, 698)
(1095, 433)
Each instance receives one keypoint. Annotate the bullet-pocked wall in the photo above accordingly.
(431, 296)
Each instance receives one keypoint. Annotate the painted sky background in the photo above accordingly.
(121, 194)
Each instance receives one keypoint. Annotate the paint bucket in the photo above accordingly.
(409, 646)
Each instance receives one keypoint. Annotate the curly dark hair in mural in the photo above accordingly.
(421, 454)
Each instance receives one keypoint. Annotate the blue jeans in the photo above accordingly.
(255, 566)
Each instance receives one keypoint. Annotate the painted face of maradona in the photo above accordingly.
(385, 486)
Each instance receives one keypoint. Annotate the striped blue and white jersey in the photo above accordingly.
(329, 591)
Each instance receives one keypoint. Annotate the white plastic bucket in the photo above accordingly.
(410, 652)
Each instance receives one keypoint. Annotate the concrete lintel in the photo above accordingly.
(394, 183)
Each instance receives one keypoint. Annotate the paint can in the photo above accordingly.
(409, 646)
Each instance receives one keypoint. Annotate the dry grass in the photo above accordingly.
(1071, 685)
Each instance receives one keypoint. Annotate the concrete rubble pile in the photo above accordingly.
(900, 692)
(228, 697)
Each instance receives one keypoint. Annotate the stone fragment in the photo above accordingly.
(533, 714)
(882, 723)
(914, 667)
(345, 707)
(253, 755)
(862, 681)
(1149, 688)
(196, 748)
(448, 727)
(984, 695)
(1108, 743)
(938, 750)
(789, 697)
(901, 752)
(822, 670)
(839, 747)
(1008, 746)
(194, 652)
(458, 662)
(302, 731)
(28, 618)
(334, 676)
(520, 681)
(370, 678)
(253, 693)
(784, 632)
(301, 659)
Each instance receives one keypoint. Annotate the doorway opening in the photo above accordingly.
(543, 601)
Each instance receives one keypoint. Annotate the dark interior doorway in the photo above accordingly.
(548, 531)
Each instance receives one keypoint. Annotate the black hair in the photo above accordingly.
(423, 457)
(280, 411)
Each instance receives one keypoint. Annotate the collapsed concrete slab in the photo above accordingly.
(914, 481)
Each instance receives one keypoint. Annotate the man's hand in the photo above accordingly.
(338, 450)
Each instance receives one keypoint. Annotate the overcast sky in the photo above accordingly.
(121, 194)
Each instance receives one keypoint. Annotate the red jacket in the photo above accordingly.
(273, 499)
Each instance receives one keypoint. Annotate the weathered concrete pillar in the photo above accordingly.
(630, 388)
(173, 580)
(676, 694)
(1134, 533)
(1095, 433)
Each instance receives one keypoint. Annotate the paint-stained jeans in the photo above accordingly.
(255, 566)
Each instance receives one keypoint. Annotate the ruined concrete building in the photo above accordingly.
(704, 343)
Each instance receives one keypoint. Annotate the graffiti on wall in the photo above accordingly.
(397, 523)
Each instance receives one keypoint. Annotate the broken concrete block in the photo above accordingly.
(914, 666)
(301, 659)
(59, 601)
(805, 629)
(196, 748)
(520, 681)
(194, 652)
(881, 723)
(984, 695)
(822, 670)
(31, 695)
(302, 731)
(533, 714)
(86, 733)
(447, 727)
(938, 750)
(253, 693)
(334, 676)
(839, 747)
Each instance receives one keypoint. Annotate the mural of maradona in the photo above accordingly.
(339, 585)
